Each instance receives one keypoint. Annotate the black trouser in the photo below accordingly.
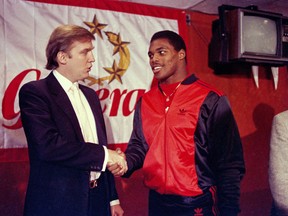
(99, 204)
(174, 205)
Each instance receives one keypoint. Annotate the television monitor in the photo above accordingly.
(248, 35)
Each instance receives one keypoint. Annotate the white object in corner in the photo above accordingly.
(275, 71)
(255, 71)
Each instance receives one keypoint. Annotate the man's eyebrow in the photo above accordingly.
(87, 49)
(159, 48)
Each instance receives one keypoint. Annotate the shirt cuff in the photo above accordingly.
(105, 159)
(115, 202)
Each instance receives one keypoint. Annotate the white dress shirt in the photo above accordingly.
(66, 85)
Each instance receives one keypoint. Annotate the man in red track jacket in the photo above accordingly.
(186, 139)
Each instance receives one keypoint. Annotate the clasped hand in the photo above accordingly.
(117, 163)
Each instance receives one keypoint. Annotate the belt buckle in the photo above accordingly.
(93, 183)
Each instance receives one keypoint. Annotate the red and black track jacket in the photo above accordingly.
(194, 146)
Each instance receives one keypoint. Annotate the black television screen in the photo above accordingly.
(248, 35)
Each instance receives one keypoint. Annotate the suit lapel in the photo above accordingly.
(61, 99)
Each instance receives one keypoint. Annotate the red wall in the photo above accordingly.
(253, 109)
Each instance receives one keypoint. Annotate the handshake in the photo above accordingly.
(117, 163)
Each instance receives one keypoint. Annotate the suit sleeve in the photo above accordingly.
(50, 132)
(278, 175)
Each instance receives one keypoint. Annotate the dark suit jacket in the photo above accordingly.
(60, 160)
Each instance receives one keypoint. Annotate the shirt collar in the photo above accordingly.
(64, 82)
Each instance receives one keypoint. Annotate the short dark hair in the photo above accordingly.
(174, 39)
(61, 39)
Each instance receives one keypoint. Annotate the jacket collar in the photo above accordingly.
(189, 80)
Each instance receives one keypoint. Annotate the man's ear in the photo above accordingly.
(62, 57)
(182, 54)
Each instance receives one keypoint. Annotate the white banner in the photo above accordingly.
(120, 74)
